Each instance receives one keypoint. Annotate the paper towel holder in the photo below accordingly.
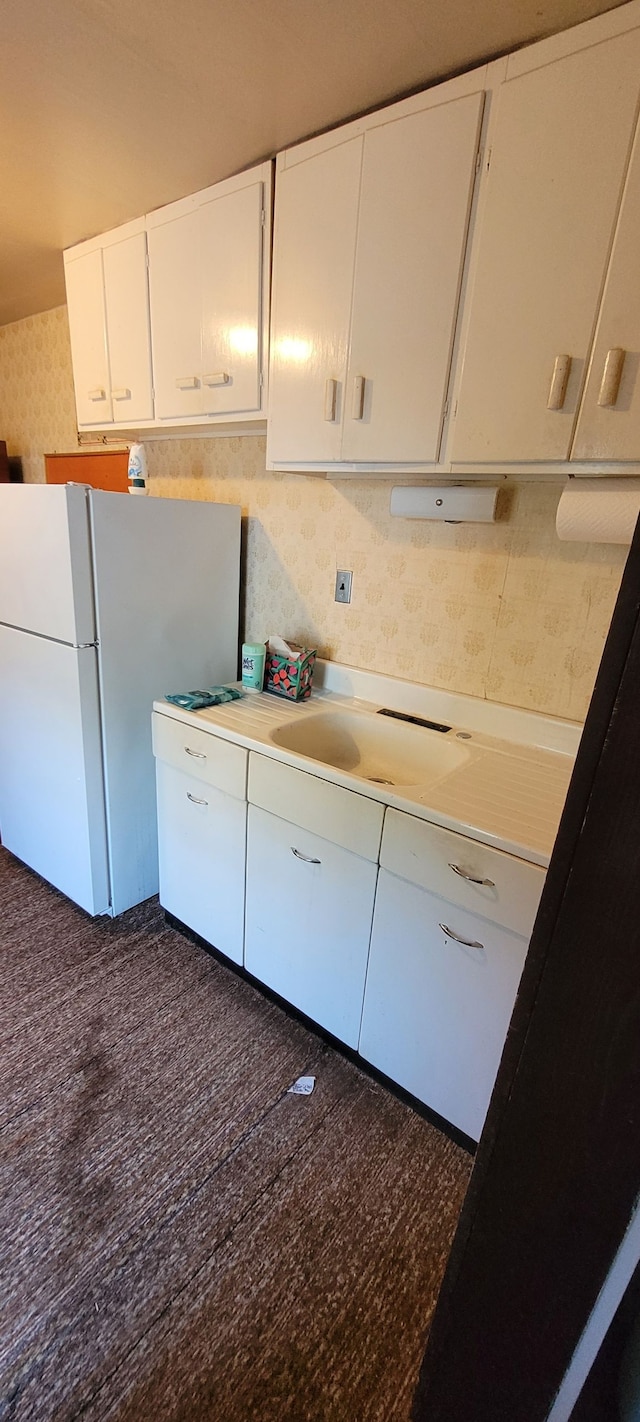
(454, 504)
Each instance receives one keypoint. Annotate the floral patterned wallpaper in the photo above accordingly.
(503, 611)
(37, 409)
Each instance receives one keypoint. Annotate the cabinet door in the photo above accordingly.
(436, 1012)
(201, 848)
(127, 310)
(314, 254)
(231, 244)
(308, 921)
(175, 290)
(557, 165)
(417, 181)
(609, 423)
(88, 330)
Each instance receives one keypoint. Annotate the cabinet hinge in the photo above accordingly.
(479, 157)
(488, 159)
(263, 217)
(445, 412)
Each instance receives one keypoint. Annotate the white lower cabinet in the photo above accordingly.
(440, 990)
(308, 921)
(409, 950)
(202, 834)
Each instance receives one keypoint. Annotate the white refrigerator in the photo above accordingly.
(106, 602)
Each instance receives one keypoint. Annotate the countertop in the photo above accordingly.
(509, 793)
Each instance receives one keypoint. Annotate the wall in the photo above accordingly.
(503, 611)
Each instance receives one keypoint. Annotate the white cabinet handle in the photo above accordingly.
(220, 378)
(611, 377)
(467, 942)
(187, 382)
(559, 379)
(121, 394)
(199, 754)
(307, 857)
(195, 800)
(330, 399)
(470, 878)
(357, 402)
(97, 394)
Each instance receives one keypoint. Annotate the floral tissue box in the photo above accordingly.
(290, 675)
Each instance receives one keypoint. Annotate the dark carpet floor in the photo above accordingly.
(181, 1238)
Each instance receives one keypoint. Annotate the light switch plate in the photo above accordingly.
(343, 586)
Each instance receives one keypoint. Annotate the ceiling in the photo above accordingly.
(110, 108)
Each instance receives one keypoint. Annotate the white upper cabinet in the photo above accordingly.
(209, 283)
(175, 281)
(609, 421)
(106, 281)
(232, 318)
(369, 242)
(559, 149)
(314, 239)
(169, 314)
(417, 180)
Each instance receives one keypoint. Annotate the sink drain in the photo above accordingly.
(379, 780)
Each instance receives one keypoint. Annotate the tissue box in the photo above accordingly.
(290, 677)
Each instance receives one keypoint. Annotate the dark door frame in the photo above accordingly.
(557, 1172)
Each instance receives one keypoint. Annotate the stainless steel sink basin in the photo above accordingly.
(381, 751)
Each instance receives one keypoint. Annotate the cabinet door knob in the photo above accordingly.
(466, 942)
(220, 378)
(121, 394)
(559, 379)
(488, 883)
(187, 382)
(307, 857)
(330, 399)
(357, 402)
(97, 394)
(611, 377)
(199, 754)
(195, 799)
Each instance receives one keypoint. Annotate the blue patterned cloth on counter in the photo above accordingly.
(195, 700)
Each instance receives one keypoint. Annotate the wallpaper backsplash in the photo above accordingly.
(503, 611)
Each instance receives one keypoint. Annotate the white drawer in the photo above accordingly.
(308, 922)
(451, 865)
(340, 816)
(200, 754)
(202, 836)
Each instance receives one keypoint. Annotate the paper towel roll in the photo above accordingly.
(598, 510)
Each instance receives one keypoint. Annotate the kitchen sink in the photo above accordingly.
(380, 751)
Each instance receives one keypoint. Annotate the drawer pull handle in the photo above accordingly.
(98, 394)
(195, 799)
(462, 874)
(330, 399)
(307, 857)
(220, 377)
(188, 382)
(200, 755)
(466, 942)
(357, 403)
(611, 377)
(121, 394)
(559, 381)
